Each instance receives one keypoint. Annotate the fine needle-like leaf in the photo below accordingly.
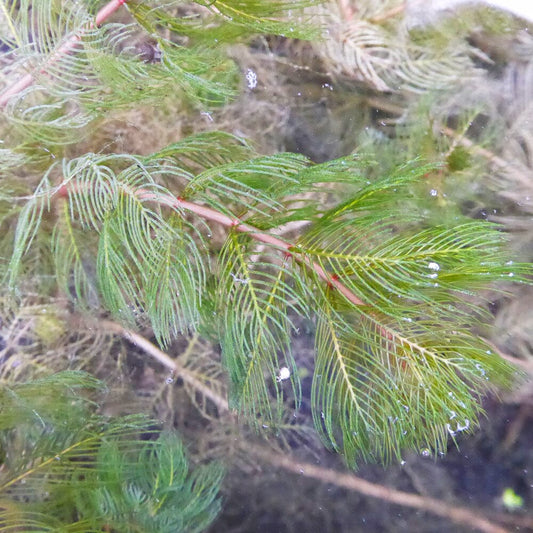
(256, 301)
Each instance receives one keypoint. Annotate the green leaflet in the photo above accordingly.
(249, 188)
(381, 386)
(231, 20)
(256, 302)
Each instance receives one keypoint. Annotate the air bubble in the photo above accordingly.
(244, 281)
(283, 374)
(251, 78)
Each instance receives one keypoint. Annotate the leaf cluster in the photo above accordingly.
(65, 468)
(79, 71)
(393, 296)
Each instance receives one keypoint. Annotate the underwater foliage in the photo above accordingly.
(65, 468)
(195, 237)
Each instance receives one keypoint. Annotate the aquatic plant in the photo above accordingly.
(206, 236)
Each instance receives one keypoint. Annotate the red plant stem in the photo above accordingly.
(215, 216)
(108, 10)
(64, 49)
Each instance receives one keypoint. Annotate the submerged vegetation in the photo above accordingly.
(193, 240)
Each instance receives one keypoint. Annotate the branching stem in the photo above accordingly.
(64, 49)
(186, 375)
(229, 222)
(459, 515)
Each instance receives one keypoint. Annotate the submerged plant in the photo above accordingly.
(67, 469)
(196, 237)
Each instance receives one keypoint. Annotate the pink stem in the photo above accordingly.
(65, 48)
(108, 10)
(215, 216)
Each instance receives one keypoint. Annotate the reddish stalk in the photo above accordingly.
(234, 223)
(64, 49)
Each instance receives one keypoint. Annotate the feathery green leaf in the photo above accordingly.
(255, 300)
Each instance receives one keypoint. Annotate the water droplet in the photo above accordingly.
(459, 428)
(251, 78)
(283, 374)
(481, 369)
(244, 281)
(465, 426)
(433, 192)
(433, 266)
